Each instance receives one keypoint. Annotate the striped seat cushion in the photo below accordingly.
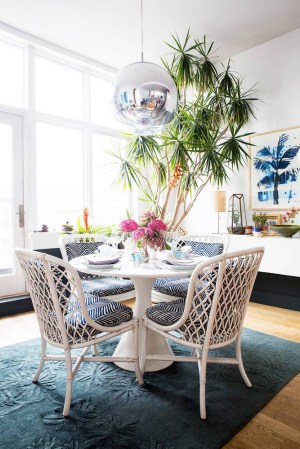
(107, 286)
(205, 248)
(177, 286)
(103, 311)
(97, 285)
(77, 249)
(166, 313)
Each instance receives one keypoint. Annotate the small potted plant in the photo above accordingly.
(259, 221)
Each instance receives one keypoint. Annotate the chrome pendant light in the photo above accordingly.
(145, 95)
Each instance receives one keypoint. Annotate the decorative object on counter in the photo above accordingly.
(236, 220)
(67, 228)
(44, 228)
(149, 233)
(257, 232)
(248, 230)
(272, 220)
(286, 230)
(259, 220)
(218, 204)
(289, 216)
(274, 169)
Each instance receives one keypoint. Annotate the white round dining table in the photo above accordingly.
(143, 278)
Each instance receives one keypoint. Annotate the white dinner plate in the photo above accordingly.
(180, 267)
(99, 267)
(98, 260)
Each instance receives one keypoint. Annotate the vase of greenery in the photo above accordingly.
(202, 144)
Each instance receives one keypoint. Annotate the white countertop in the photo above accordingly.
(282, 255)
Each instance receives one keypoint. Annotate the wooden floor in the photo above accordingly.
(277, 426)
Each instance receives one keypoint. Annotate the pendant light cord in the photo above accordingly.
(142, 33)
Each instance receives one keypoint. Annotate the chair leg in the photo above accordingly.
(42, 360)
(240, 360)
(137, 369)
(96, 351)
(143, 347)
(202, 363)
(69, 379)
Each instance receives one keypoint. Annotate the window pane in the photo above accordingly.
(101, 95)
(59, 174)
(109, 202)
(59, 89)
(11, 74)
(6, 192)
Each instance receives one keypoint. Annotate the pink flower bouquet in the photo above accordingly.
(150, 231)
(289, 216)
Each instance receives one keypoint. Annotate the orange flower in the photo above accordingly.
(176, 175)
(86, 219)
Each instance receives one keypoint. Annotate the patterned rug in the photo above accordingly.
(110, 411)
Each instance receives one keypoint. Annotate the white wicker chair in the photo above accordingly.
(211, 316)
(168, 289)
(65, 320)
(76, 245)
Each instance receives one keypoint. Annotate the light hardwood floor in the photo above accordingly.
(277, 426)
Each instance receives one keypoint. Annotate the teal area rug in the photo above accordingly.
(110, 411)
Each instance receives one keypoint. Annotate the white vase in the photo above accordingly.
(152, 253)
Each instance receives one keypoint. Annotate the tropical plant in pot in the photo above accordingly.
(202, 144)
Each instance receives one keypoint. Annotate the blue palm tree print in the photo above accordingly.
(276, 164)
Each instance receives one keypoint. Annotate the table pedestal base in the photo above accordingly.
(156, 344)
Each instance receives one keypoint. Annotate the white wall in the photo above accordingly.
(276, 66)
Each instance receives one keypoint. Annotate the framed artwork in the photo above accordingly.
(272, 219)
(275, 170)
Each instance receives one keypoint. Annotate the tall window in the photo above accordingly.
(69, 129)
(110, 201)
(60, 187)
(12, 74)
(59, 89)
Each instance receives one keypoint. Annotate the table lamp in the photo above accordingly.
(218, 203)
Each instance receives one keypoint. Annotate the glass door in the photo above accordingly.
(11, 203)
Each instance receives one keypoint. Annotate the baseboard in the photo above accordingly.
(14, 305)
(277, 290)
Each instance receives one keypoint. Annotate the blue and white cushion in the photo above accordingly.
(205, 248)
(97, 285)
(107, 286)
(102, 311)
(178, 286)
(166, 313)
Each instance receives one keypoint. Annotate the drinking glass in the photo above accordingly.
(171, 238)
(116, 238)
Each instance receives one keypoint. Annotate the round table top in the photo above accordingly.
(125, 268)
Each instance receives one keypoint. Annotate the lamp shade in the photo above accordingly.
(145, 98)
(218, 203)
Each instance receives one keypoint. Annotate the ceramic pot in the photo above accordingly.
(286, 230)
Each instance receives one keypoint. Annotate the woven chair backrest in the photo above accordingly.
(76, 245)
(57, 297)
(219, 292)
(206, 245)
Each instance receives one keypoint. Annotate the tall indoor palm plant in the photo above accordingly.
(203, 142)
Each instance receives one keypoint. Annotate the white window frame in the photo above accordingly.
(34, 46)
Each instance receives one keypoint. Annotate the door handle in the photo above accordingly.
(21, 214)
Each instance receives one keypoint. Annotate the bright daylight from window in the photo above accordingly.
(6, 240)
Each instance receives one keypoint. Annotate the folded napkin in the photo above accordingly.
(107, 251)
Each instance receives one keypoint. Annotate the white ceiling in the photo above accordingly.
(109, 30)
